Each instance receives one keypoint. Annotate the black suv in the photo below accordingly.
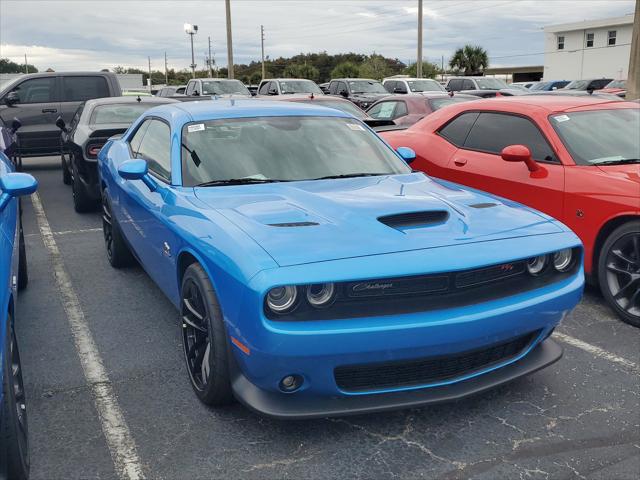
(38, 99)
(361, 91)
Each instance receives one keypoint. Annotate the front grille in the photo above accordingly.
(424, 371)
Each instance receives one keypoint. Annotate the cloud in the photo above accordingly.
(97, 34)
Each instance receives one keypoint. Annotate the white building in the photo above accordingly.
(593, 49)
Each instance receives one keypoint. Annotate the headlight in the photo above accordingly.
(282, 299)
(536, 265)
(321, 294)
(563, 259)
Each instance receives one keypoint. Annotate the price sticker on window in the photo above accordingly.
(195, 128)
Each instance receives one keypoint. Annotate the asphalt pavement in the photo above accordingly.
(579, 418)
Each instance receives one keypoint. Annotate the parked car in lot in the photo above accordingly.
(361, 91)
(575, 158)
(337, 103)
(461, 84)
(220, 87)
(616, 87)
(14, 436)
(408, 109)
(316, 274)
(526, 85)
(411, 85)
(37, 99)
(89, 129)
(589, 84)
(288, 86)
(548, 86)
(171, 91)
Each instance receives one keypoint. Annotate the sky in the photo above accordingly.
(97, 34)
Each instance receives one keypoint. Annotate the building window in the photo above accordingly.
(561, 42)
(590, 37)
(612, 38)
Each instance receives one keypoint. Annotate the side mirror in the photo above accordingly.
(554, 88)
(272, 91)
(344, 93)
(399, 90)
(16, 185)
(15, 125)
(519, 153)
(196, 93)
(11, 98)
(447, 89)
(137, 170)
(407, 154)
(61, 125)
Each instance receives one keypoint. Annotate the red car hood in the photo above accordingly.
(627, 172)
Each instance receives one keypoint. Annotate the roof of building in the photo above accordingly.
(603, 22)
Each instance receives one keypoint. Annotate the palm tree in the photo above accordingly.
(473, 60)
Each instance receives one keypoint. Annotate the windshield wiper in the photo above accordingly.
(351, 175)
(622, 161)
(239, 181)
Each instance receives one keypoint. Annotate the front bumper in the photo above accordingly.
(288, 406)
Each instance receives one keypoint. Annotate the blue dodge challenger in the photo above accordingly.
(14, 440)
(316, 274)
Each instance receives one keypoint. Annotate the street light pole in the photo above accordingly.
(262, 45)
(419, 60)
(191, 30)
(229, 40)
(209, 61)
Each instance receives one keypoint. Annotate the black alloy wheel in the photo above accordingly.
(82, 202)
(118, 252)
(619, 272)
(204, 338)
(14, 439)
(66, 174)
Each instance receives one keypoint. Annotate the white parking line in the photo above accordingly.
(69, 232)
(119, 440)
(597, 351)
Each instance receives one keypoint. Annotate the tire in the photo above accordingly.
(204, 338)
(23, 274)
(118, 252)
(66, 174)
(82, 202)
(14, 437)
(619, 272)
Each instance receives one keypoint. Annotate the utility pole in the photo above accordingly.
(149, 81)
(633, 82)
(442, 69)
(419, 62)
(191, 30)
(209, 61)
(166, 71)
(262, 45)
(26, 65)
(229, 40)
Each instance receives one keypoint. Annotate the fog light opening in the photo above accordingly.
(291, 383)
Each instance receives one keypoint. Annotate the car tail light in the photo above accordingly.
(93, 150)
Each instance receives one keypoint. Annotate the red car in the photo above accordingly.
(575, 158)
(408, 109)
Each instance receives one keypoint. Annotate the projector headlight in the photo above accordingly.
(537, 265)
(282, 299)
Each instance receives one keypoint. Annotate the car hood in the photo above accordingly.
(313, 221)
(628, 173)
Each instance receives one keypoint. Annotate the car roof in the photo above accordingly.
(233, 108)
(352, 79)
(128, 99)
(550, 103)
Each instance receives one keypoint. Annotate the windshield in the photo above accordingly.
(577, 85)
(600, 136)
(283, 148)
(438, 103)
(366, 86)
(119, 113)
(425, 86)
(226, 87)
(345, 106)
(299, 86)
(491, 83)
(617, 84)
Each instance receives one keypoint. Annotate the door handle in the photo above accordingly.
(461, 162)
(49, 110)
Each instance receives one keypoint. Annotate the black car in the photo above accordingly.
(90, 128)
(589, 84)
(361, 91)
(38, 99)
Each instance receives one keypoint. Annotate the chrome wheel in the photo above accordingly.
(623, 273)
(196, 338)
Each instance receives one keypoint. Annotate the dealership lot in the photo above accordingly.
(580, 418)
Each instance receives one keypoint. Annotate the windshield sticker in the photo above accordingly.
(195, 128)
(355, 126)
(561, 118)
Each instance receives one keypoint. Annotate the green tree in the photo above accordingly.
(345, 70)
(429, 70)
(256, 77)
(301, 71)
(375, 67)
(472, 60)
(7, 66)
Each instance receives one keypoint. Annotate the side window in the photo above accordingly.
(79, 89)
(264, 89)
(401, 110)
(189, 90)
(383, 110)
(76, 117)
(389, 86)
(455, 85)
(600, 83)
(401, 87)
(136, 140)
(342, 87)
(333, 88)
(468, 84)
(196, 87)
(156, 149)
(456, 130)
(37, 90)
(494, 131)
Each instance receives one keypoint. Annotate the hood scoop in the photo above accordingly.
(400, 221)
(293, 224)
